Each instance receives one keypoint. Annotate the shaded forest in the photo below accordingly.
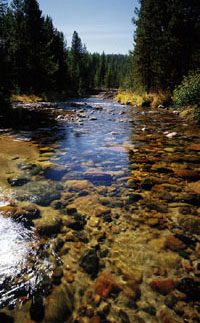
(165, 60)
(35, 58)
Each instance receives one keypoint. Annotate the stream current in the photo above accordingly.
(105, 204)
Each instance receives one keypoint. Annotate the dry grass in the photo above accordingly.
(25, 98)
(155, 99)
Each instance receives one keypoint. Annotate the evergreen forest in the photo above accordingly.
(35, 58)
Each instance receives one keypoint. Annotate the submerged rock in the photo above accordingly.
(4, 318)
(163, 287)
(77, 222)
(18, 181)
(55, 173)
(59, 305)
(39, 193)
(148, 183)
(90, 262)
(26, 215)
(188, 174)
(77, 185)
(48, 226)
(105, 285)
(190, 223)
(98, 178)
(190, 287)
(37, 308)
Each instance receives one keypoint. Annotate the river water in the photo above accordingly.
(100, 217)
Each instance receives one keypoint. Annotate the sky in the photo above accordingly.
(103, 25)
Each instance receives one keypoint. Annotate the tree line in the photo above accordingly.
(166, 44)
(35, 58)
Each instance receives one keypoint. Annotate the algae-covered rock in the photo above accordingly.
(59, 305)
(48, 226)
(40, 193)
(26, 214)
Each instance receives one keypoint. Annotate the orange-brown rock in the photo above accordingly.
(96, 319)
(166, 317)
(195, 147)
(173, 243)
(187, 174)
(195, 187)
(163, 287)
(105, 284)
(97, 299)
(7, 210)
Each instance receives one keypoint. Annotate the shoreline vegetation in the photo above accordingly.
(162, 70)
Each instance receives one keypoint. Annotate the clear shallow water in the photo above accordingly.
(104, 143)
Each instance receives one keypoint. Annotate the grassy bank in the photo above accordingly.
(25, 98)
(151, 99)
(191, 112)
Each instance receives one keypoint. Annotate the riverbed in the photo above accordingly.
(100, 217)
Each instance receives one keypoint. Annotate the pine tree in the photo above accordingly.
(76, 55)
(5, 59)
(166, 42)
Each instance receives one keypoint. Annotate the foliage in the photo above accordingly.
(35, 59)
(167, 43)
(188, 92)
(5, 60)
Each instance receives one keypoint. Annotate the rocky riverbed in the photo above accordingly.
(100, 217)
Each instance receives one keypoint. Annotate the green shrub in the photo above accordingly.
(188, 92)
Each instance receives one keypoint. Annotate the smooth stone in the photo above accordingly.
(37, 308)
(150, 310)
(77, 185)
(76, 223)
(41, 194)
(190, 287)
(134, 197)
(188, 174)
(105, 285)
(171, 300)
(26, 215)
(4, 318)
(59, 305)
(55, 173)
(147, 184)
(163, 287)
(48, 226)
(89, 261)
(18, 181)
(98, 177)
(174, 243)
(156, 205)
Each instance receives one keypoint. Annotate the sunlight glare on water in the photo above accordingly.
(14, 246)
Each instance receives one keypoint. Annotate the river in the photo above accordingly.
(100, 217)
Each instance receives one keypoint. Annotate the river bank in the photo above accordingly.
(190, 112)
(110, 198)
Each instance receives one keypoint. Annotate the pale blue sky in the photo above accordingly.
(101, 24)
